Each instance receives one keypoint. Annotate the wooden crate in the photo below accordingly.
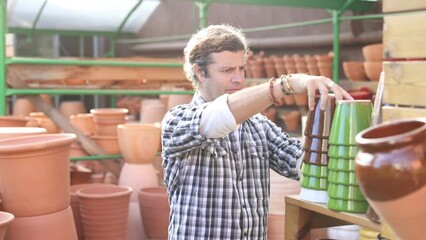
(390, 113)
(403, 5)
(405, 83)
(404, 36)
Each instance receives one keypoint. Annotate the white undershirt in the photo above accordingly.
(217, 119)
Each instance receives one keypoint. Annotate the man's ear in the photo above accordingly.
(199, 73)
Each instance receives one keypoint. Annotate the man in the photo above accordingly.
(218, 149)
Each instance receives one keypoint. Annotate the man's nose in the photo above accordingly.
(238, 77)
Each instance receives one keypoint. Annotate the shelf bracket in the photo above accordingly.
(3, 30)
(203, 7)
(336, 37)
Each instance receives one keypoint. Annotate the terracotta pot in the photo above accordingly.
(43, 122)
(68, 108)
(43, 160)
(139, 142)
(391, 171)
(79, 174)
(104, 211)
(13, 121)
(155, 211)
(107, 119)
(152, 111)
(270, 113)
(135, 228)
(354, 71)
(9, 132)
(301, 99)
(178, 99)
(53, 226)
(373, 52)
(108, 143)
(373, 70)
(5, 219)
(75, 206)
(138, 176)
(276, 223)
(84, 122)
(325, 69)
(291, 120)
(23, 107)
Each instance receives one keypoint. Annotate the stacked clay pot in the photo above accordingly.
(37, 195)
(139, 144)
(373, 64)
(106, 121)
(314, 181)
(350, 118)
(391, 170)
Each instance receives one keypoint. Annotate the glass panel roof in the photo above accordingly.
(95, 15)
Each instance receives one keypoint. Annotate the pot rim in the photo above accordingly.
(403, 137)
(24, 143)
(6, 217)
(139, 125)
(121, 191)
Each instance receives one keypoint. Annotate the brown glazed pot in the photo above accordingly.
(391, 171)
(34, 174)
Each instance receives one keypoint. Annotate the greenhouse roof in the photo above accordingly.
(79, 15)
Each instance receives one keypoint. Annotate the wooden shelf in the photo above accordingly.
(302, 216)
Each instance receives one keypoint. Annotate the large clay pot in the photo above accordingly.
(155, 211)
(5, 219)
(53, 226)
(104, 211)
(34, 174)
(139, 142)
(391, 171)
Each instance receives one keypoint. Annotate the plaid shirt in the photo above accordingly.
(219, 188)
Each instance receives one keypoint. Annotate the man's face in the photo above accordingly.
(225, 75)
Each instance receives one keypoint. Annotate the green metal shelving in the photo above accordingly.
(336, 7)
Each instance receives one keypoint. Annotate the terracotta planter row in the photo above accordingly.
(260, 66)
(369, 69)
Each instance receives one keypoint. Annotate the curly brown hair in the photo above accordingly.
(213, 39)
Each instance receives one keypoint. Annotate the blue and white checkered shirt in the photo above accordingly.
(219, 188)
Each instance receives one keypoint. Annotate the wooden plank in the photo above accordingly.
(352, 218)
(97, 73)
(403, 5)
(404, 36)
(390, 113)
(405, 83)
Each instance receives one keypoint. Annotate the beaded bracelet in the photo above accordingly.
(271, 92)
(287, 89)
